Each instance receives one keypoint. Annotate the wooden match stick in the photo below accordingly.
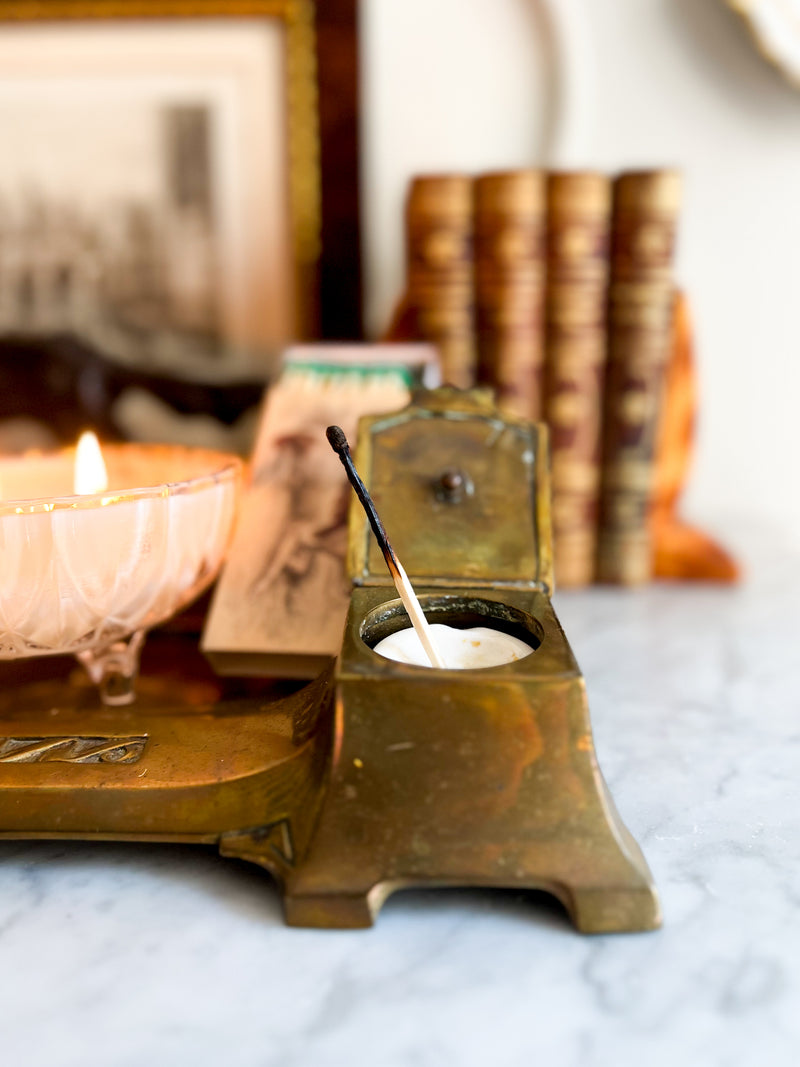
(338, 442)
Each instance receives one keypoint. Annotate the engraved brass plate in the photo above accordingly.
(71, 749)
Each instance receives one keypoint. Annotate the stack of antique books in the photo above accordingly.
(557, 289)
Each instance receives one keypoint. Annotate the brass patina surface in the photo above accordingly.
(492, 531)
(378, 775)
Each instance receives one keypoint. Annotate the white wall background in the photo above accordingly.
(484, 84)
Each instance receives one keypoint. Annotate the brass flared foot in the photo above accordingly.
(342, 911)
(610, 911)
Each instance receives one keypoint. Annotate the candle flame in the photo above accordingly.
(90, 470)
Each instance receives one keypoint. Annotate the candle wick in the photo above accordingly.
(338, 442)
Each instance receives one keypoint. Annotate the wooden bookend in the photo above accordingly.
(681, 552)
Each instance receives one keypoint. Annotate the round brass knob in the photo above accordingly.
(453, 485)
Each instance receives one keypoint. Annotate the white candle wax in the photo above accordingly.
(467, 649)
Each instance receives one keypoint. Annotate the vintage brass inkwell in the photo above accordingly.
(378, 775)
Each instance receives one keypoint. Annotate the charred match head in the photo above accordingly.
(337, 439)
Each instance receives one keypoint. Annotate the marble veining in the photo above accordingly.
(118, 955)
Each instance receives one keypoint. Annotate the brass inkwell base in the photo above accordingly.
(377, 775)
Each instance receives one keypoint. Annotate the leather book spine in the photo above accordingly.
(641, 300)
(439, 244)
(578, 226)
(509, 286)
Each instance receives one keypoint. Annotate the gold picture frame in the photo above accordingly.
(296, 19)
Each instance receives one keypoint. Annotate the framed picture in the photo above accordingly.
(160, 178)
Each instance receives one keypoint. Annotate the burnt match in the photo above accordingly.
(338, 442)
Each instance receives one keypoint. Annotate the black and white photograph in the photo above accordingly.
(143, 190)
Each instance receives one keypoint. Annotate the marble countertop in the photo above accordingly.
(128, 955)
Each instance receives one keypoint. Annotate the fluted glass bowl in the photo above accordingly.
(90, 574)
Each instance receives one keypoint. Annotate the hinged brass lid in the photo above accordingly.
(463, 492)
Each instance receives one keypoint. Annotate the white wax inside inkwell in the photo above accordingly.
(467, 649)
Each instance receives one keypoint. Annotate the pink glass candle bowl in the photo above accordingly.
(89, 574)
